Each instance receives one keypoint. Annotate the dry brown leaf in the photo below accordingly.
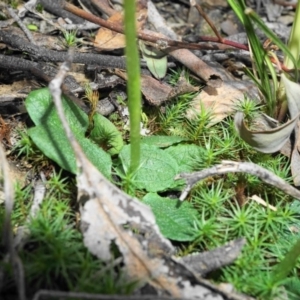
(220, 101)
(108, 40)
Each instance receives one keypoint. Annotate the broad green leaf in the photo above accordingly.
(267, 141)
(162, 141)
(50, 137)
(156, 60)
(41, 109)
(106, 134)
(185, 156)
(175, 219)
(156, 171)
(53, 142)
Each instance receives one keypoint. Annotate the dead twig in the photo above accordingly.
(237, 167)
(20, 23)
(11, 37)
(161, 42)
(42, 71)
(207, 19)
(23, 232)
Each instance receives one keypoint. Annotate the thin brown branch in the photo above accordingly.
(207, 19)
(164, 43)
(20, 23)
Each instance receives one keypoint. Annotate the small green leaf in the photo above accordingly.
(105, 133)
(50, 138)
(156, 60)
(162, 141)
(174, 218)
(32, 27)
(156, 171)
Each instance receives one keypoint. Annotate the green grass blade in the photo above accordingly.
(294, 41)
(282, 270)
(271, 35)
(262, 63)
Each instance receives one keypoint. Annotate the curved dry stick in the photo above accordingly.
(227, 166)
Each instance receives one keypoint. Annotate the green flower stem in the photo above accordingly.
(294, 41)
(133, 83)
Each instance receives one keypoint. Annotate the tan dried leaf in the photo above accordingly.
(221, 101)
(108, 40)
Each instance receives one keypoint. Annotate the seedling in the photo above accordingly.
(70, 38)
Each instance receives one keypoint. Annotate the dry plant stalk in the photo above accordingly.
(7, 239)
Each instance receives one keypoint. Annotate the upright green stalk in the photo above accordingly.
(294, 41)
(294, 48)
(133, 83)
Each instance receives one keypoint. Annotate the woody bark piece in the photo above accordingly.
(199, 67)
(108, 216)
